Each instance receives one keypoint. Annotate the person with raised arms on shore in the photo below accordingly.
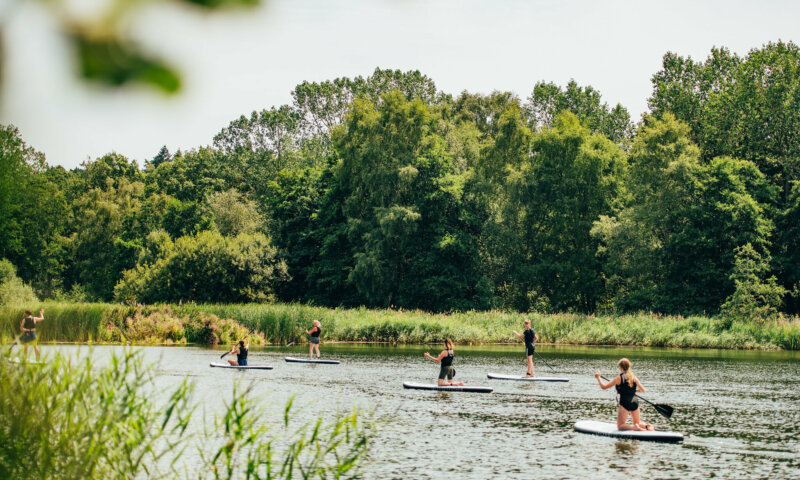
(313, 341)
(28, 328)
(446, 359)
(627, 386)
(240, 350)
(530, 345)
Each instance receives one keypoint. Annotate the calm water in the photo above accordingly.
(740, 411)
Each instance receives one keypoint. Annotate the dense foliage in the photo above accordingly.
(383, 191)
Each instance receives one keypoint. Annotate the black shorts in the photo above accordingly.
(314, 340)
(28, 337)
(529, 349)
(447, 372)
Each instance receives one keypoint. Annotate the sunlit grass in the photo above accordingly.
(282, 323)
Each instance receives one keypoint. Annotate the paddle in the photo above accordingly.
(248, 334)
(664, 410)
(545, 361)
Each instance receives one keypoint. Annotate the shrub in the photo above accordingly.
(12, 290)
(207, 267)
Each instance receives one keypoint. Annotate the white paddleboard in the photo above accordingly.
(305, 360)
(609, 429)
(447, 388)
(247, 367)
(499, 376)
(23, 362)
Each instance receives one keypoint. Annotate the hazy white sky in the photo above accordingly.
(235, 63)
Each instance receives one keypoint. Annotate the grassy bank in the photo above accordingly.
(281, 323)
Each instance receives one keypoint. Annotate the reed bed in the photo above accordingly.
(283, 323)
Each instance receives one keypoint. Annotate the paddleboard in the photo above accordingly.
(305, 360)
(17, 361)
(465, 388)
(610, 430)
(247, 367)
(498, 376)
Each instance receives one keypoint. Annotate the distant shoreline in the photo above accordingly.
(278, 324)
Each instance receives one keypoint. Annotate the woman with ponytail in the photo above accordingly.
(627, 386)
(446, 372)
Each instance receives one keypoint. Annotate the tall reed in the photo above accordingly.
(282, 323)
(69, 418)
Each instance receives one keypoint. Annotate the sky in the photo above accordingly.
(236, 62)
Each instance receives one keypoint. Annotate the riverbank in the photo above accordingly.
(282, 323)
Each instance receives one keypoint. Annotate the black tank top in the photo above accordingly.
(448, 360)
(316, 332)
(242, 355)
(29, 324)
(626, 392)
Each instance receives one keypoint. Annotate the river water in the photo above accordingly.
(739, 410)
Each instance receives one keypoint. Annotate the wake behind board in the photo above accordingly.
(305, 360)
(610, 430)
(465, 388)
(237, 367)
(499, 376)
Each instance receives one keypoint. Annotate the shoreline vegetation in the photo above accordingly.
(213, 324)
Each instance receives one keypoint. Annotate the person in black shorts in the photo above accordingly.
(446, 359)
(28, 328)
(627, 386)
(241, 353)
(530, 345)
(313, 340)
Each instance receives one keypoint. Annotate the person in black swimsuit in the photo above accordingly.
(530, 345)
(28, 328)
(241, 353)
(446, 359)
(313, 340)
(627, 386)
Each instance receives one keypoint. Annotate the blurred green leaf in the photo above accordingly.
(115, 62)
(223, 3)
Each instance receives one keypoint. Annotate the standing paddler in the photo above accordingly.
(28, 328)
(530, 345)
(313, 340)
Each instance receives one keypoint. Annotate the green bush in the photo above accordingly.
(12, 290)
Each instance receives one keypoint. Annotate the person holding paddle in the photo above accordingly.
(313, 341)
(627, 386)
(446, 359)
(530, 345)
(241, 353)
(28, 328)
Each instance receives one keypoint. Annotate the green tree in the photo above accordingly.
(206, 267)
(101, 244)
(234, 214)
(548, 100)
(671, 249)
(406, 243)
(755, 296)
(556, 192)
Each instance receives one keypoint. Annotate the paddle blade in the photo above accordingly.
(224, 354)
(289, 344)
(664, 410)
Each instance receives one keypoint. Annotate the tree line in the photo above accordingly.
(384, 191)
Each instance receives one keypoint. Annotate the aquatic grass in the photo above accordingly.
(286, 322)
(71, 418)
